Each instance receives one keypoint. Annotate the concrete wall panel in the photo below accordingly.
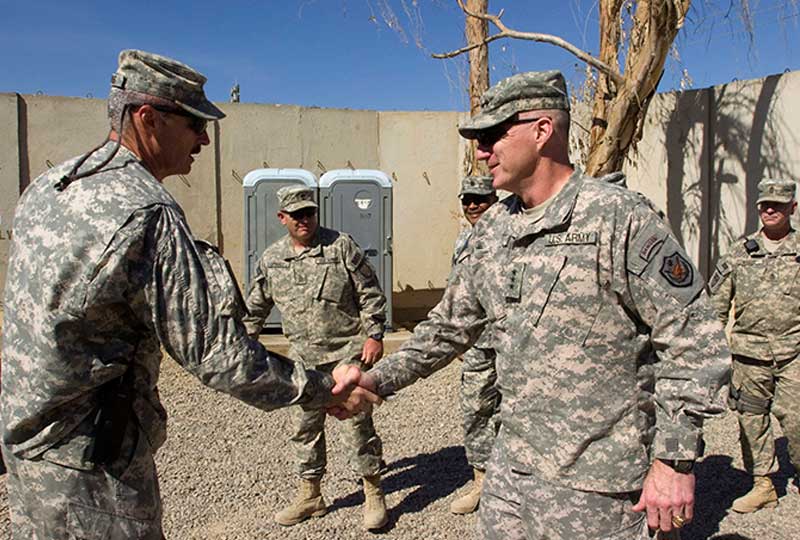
(419, 150)
(9, 178)
(337, 139)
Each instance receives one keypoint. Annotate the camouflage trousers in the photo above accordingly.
(778, 382)
(521, 506)
(480, 405)
(308, 441)
(48, 501)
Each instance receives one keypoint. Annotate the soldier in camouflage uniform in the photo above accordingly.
(333, 313)
(480, 400)
(103, 272)
(760, 277)
(581, 282)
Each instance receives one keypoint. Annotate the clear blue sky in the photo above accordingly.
(340, 53)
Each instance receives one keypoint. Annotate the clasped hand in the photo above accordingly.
(354, 392)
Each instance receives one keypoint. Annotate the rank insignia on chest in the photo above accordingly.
(677, 270)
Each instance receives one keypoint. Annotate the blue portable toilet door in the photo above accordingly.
(358, 208)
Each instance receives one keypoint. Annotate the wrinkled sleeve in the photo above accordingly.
(722, 287)
(192, 298)
(451, 328)
(692, 361)
(259, 301)
(370, 297)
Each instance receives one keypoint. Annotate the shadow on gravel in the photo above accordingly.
(718, 484)
(435, 475)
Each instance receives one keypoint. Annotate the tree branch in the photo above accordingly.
(506, 32)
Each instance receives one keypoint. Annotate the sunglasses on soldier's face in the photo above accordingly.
(196, 124)
(477, 200)
(303, 213)
(488, 137)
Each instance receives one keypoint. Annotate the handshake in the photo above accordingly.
(354, 392)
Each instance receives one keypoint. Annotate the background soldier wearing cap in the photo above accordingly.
(333, 313)
(103, 272)
(480, 400)
(760, 277)
(581, 281)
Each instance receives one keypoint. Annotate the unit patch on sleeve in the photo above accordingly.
(677, 270)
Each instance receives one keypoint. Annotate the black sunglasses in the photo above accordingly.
(303, 213)
(472, 198)
(196, 124)
(489, 136)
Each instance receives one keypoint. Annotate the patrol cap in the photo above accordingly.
(163, 77)
(294, 198)
(477, 185)
(775, 190)
(531, 91)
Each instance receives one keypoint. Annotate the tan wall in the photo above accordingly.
(9, 177)
(701, 156)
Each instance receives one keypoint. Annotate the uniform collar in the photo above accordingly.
(557, 214)
(287, 252)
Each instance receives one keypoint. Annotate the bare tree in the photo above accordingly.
(621, 98)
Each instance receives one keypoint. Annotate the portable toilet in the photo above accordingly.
(359, 202)
(261, 225)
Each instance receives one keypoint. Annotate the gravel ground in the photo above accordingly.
(226, 469)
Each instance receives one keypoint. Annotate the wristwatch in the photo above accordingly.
(377, 336)
(683, 466)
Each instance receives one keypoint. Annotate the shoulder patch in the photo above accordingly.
(355, 259)
(650, 247)
(677, 270)
(723, 270)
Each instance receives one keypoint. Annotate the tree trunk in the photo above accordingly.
(476, 31)
(618, 117)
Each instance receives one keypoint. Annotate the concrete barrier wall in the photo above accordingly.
(700, 158)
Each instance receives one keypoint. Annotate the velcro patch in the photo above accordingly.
(723, 270)
(677, 270)
(572, 238)
(650, 247)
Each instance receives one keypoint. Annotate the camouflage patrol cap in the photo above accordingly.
(531, 91)
(294, 198)
(775, 190)
(163, 77)
(477, 185)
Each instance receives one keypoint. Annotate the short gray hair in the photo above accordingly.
(118, 99)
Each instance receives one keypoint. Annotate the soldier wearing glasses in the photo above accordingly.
(333, 313)
(760, 278)
(103, 273)
(480, 400)
(609, 354)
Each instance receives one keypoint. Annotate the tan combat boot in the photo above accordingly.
(307, 503)
(375, 515)
(761, 496)
(468, 502)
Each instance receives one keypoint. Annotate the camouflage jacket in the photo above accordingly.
(579, 302)
(460, 254)
(101, 275)
(328, 296)
(764, 289)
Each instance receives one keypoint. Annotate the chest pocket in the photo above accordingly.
(788, 275)
(334, 280)
(281, 282)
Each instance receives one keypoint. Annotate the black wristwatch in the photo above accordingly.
(377, 337)
(683, 466)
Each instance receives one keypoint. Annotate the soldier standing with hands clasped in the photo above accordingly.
(333, 313)
(609, 354)
(760, 278)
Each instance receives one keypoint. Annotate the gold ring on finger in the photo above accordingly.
(678, 521)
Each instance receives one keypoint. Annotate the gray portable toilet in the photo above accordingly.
(261, 226)
(359, 202)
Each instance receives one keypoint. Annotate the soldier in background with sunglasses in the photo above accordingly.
(333, 313)
(480, 400)
(104, 273)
